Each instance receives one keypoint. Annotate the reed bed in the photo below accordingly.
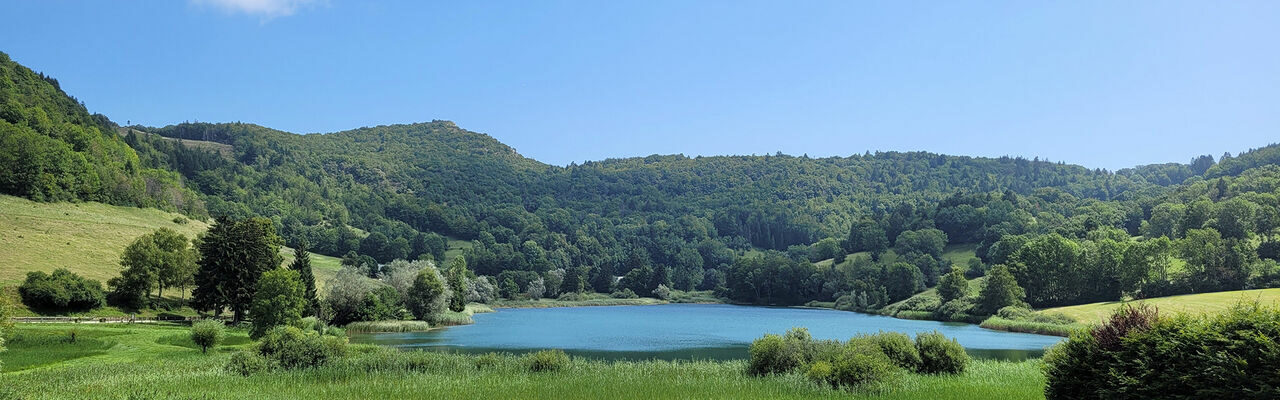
(387, 326)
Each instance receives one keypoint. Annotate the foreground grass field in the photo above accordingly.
(1196, 304)
(154, 361)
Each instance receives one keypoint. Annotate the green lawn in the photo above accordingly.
(149, 361)
(1200, 303)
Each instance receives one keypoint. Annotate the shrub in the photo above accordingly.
(771, 354)
(1014, 312)
(548, 361)
(959, 310)
(861, 365)
(352, 297)
(922, 302)
(247, 363)
(662, 292)
(1137, 354)
(1126, 319)
(938, 354)
(207, 333)
(625, 294)
(821, 371)
(60, 291)
(899, 348)
(290, 347)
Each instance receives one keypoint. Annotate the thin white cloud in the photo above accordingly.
(267, 9)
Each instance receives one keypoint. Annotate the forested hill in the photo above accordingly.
(436, 177)
(400, 191)
(54, 150)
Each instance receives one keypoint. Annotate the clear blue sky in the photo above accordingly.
(1103, 84)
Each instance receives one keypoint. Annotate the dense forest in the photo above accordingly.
(749, 227)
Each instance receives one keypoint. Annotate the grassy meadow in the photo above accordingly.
(155, 361)
(1196, 304)
(87, 239)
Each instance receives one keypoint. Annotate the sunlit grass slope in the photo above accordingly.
(86, 238)
(1200, 303)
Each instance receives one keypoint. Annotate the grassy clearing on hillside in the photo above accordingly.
(322, 266)
(139, 365)
(455, 249)
(1197, 304)
(960, 254)
(86, 238)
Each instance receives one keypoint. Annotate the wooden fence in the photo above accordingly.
(118, 320)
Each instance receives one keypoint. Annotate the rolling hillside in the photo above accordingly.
(87, 238)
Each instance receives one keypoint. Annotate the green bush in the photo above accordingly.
(923, 302)
(772, 354)
(959, 310)
(1014, 313)
(290, 347)
(821, 371)
(861, 365)
(548, 361)
(625, 294)
(938, 354)
(899, 348)
(60, 291)
(207, 333)
(247, 363)
(1138, 354)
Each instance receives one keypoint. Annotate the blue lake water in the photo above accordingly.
(683, 331)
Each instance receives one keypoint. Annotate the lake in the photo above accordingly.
(684, 331)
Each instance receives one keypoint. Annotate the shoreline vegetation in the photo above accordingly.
(157, 361)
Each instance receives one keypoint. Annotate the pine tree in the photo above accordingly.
(302, 264)
(457, 282)
(234, 254)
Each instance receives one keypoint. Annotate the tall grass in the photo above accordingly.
(547, 303)
(373, 372)
(1043, 328)
(388, 326)
(451, 318)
